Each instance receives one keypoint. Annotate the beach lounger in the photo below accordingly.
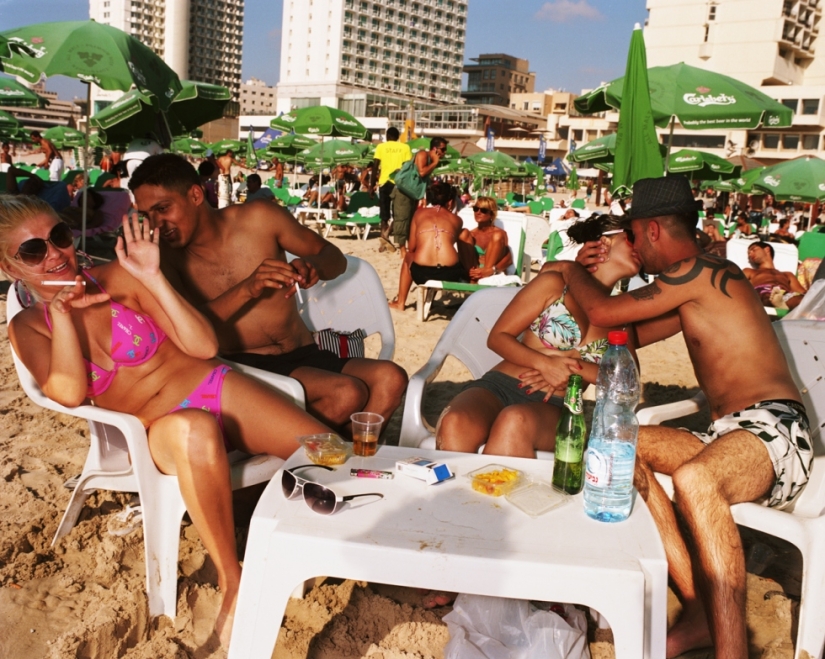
(803, 524)
(362, 215)
(785, 258)
(514, 224)
(119, 460)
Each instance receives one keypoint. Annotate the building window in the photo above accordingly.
(810, 142)
(791, 103)
(770, 141)
(810, 106)
(790, 142)
(712, 12)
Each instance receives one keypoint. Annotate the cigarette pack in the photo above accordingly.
(424, 469)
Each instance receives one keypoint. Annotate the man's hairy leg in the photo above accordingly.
(732, 469)
(386, 382)
(665, 450)
(331, 397)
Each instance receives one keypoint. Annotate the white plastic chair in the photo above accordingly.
(351, 301)
(465, 339)
(537, 232)
(515, 224)
(119, 460)
(803, 524)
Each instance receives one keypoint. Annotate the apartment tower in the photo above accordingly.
(365, 56)
(199, 39)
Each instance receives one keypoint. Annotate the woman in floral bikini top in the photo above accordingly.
(543, 336)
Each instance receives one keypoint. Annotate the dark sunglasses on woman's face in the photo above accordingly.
(319, 498)
(34, 250)
(479, 209)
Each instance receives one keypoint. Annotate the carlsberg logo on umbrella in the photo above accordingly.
(772, 181)
(703, 100)
(685, 159)
(346, 122)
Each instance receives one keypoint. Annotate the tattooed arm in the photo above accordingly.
(679, 283)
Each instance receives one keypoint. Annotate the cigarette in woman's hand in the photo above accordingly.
(57, 282)
(298, 293)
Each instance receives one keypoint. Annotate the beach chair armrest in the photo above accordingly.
(653, 416)
(287, 386)
(413, 428)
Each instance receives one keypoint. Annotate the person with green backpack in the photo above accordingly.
(411, 183)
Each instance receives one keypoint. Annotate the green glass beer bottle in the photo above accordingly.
(568, 470)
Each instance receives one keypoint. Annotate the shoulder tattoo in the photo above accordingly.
(720, 269)
(646, 292)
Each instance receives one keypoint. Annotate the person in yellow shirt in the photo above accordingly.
(389, 156)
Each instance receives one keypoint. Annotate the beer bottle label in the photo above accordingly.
(573, 401)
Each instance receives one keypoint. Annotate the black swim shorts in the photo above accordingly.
(284, 364)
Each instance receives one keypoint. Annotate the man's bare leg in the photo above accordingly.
(331, 397)
(733, 469)
(664, 450)
(386, 382)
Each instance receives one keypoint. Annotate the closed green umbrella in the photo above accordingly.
(12, 93)
(573, 180)
(250, 155)
(64, 137)
(320, 120)
(637, 146)
(135, 114)
(189, 146)
(91, 52)
(801, 179)
(700, 165)
(699, 99)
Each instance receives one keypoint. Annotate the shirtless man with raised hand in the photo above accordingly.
(758, 446)
(231, 264)
(765, 278)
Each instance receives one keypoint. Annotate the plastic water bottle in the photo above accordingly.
(611, 449)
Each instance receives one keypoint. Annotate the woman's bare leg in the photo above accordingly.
(520, 430)
(189, 444)
(466, 422)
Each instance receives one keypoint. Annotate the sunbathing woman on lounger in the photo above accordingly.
(484, 250)
(514, 407)
(120, 336)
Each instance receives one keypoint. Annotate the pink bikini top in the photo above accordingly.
(135, 340)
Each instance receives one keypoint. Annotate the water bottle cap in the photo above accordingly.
(617, 338)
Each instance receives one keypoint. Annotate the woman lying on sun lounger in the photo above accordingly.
(514, 407)
(120, 336)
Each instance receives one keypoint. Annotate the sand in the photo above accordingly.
(85, 597)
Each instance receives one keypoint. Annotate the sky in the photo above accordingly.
(571, 44)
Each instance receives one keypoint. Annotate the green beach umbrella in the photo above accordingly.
(221, 147)
(189, 146)
(637, 145)
(91, 52)
(600, 151)
(64, 137)
(699, 165)
(8, 122)
(332, 152)
(420, 143)
(699, 99)
(289, 145)
(249, 154)
(573, 180)
(9, 47)
(801, 179)
(12, 93)
(320, 120)
(135, 114)
(493, 163)
(744, 182)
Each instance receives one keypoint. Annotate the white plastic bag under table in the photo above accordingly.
(449, 537)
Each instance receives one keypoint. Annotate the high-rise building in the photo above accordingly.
(769, 44)
(365, 56)
(764, 42)
(200, 40)
(492, 79)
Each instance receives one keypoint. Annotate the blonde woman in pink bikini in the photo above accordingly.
(120, 336)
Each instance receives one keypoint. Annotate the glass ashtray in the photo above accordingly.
(536, 497)
(494, 480)
(326, 449)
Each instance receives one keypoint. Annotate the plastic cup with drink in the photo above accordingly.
(366, 428)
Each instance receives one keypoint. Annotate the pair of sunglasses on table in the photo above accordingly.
(318, 497)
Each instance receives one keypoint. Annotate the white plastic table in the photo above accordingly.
(449, 537)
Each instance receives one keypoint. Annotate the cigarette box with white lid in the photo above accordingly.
(424, 469)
